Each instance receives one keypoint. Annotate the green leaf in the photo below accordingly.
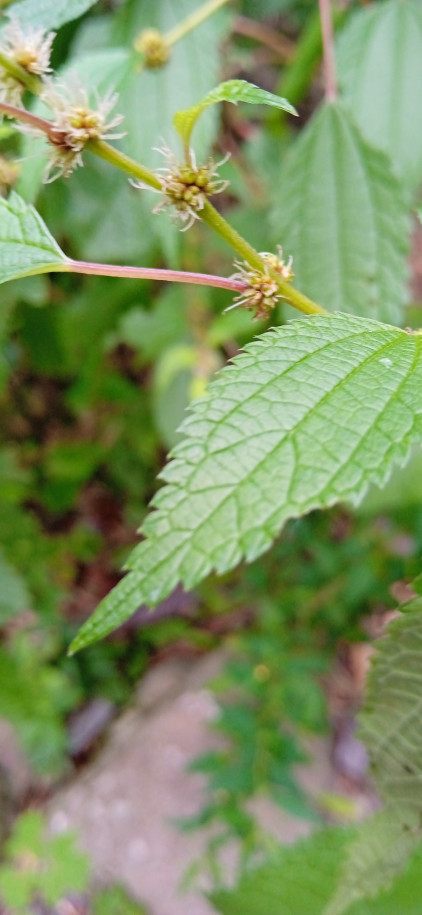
(390, 721)
(300, 879)
(343, 216)
(308, 415)
(296, 880)
(390, 728)
(380, 71)
(26, 246)
(234, 90)
(47, 14)
(375, 858)
(115, 901)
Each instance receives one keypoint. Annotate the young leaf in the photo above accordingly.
(48, 14)
(234, 90)
(343, 216)
(380, 71)
(308, 415)
(26, 246)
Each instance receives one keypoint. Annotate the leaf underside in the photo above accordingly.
(308, 415)
(343, 216)
(26, 246)
(390, 721)
(380, 72)
(300, 879)
(390, 729)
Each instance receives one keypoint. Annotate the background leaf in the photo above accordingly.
(26, 246)
(375, 858)
(151, 97)
(300, 879)
(234, 90)
(308, 415)
(380, 72)
(48, 14)
(343, 216)
(392, 710)
(295, 880)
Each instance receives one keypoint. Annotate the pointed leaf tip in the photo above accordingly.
(308, 415)
(233, 90)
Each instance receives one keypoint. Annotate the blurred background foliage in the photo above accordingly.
(95, 377)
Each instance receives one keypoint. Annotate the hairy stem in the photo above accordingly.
(150, 273)
(124, 163)
(21, 114)
(192, 21)
(328, 50)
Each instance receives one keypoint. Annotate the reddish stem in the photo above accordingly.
(328, 48)
(21, 114)
(150, 273)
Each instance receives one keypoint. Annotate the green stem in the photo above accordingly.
(123, 162)
(216, 221)
(192, 21)
(20, 74)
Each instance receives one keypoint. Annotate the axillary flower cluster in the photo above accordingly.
(261, 291)
(74, 122)
(185, 186)
(30, 50)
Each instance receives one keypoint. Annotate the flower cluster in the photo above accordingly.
(261, 291)
(27, 49)
(74, 124)
(74, 121)
(186, 186)
(153, 47)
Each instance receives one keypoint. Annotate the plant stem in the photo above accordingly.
(150, 273)
(123, 162)
(208, 214)
(297, 76)
(216, 221)
(21, 114)
(192, 21)
(328, 50)
(20, 74)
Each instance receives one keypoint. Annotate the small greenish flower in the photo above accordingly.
(261, 291)
(31, 50)
(74, 124)
(185, 186)
(153, 47)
